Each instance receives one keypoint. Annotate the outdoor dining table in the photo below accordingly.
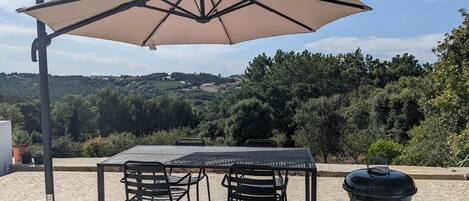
(220, 158)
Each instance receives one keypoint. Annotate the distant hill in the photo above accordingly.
(16, 86)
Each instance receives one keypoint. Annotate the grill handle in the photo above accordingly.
(377, 170)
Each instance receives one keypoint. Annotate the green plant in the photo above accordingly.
(460, 148)
(429, 144)
(36, 137)
(385, 149)
(21, 138)
(164, 137)
(119, 142)
(65, 147)
(36, 148)
(249, 119)
(95, 147)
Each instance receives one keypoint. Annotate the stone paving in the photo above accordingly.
(81, 186)
(324, 170)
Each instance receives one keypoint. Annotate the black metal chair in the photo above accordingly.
(150, 181)
(265, 143)
(260, 143)
(190, 142)
(202, 174)
(254, 183)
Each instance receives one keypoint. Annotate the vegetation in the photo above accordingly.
(385, 149)
(21, 138)
(343, 107)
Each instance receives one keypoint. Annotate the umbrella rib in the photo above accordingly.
(159, 25)
(197, 5)
(283, 15)
(176, 6)
(343, 3)
(170, 11)
(214, 8)
(232, 8)
(221, 21)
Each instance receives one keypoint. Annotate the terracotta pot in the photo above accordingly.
(18, 151)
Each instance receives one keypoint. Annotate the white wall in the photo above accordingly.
(5, 147)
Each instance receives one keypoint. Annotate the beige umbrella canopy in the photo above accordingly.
(162, 22)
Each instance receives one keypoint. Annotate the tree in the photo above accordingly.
(405, 66)
(113, 112)
(31, 115)
(74, 127)
(137, 114)
(319, 125)
(249, 119)
(12, 113)
(397, 108)
(73, 115)
(258, 68)
(450, 77)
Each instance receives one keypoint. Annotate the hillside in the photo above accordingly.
(16, 86)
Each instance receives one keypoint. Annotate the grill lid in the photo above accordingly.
(379, 182)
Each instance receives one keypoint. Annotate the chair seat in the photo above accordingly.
(176, 194)
(278, 183)
(185, 182)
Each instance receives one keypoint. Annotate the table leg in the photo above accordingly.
(100, 170)
(307, 187)
(314, 185)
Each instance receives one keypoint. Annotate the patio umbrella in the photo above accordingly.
(164, 22)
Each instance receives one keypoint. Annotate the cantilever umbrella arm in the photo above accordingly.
(46, 40)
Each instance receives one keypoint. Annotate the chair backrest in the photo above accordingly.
(260, 143)
(244, 182)
(145, 180)
(190, 142)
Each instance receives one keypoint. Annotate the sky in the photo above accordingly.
(392, 27)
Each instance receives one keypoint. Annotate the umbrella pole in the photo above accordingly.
(45, 111)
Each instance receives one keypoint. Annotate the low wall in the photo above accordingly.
(5, 147)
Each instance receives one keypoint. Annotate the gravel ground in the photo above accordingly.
(81, 186)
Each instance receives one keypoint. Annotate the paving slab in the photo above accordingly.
(324, 170)
(81, 186)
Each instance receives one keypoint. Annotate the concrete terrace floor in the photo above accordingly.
(81, 186)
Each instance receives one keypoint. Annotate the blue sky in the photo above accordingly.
(393, 27)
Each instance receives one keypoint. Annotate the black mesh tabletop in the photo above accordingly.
(299, 159)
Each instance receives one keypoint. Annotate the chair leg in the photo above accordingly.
(208, 187)
(197, 188)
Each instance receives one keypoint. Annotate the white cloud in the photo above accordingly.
(381, 47)
(15, 30)
(212, 59)
(202, 58)
(17, 59)
(12, 5)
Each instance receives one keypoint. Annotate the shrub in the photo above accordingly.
(164, 137)
(280, 138)
(95, 147)
(36, 137)
(355, 144)
(429, 145)
(386, 149)
(64, 147)
(460, 148)
(117, 143)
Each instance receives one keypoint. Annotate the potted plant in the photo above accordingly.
(27, 158)
(38, 158)
(21, 142)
